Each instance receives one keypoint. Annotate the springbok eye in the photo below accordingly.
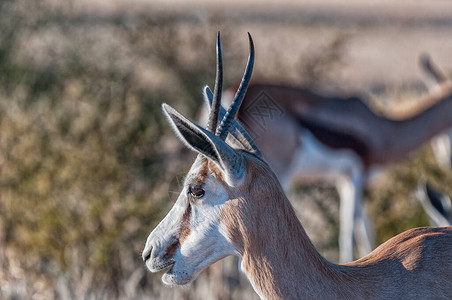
(196, 191)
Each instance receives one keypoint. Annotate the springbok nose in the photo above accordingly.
(147, 254)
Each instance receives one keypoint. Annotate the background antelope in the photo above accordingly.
(307, 136)
(233, 204)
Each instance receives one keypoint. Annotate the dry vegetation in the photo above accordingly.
(87, 160)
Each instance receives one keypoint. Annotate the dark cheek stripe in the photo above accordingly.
(171, 250)
(185, 225)
(184, 231)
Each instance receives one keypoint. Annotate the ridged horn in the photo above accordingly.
(237, 131)
(215, 111)
(225, 124)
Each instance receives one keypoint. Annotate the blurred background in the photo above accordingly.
(88, 165)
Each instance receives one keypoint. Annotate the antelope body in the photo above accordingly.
(233, 204)
(310, 137)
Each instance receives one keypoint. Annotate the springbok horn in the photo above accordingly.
(237, 130)
(215, 111)
(222, 130)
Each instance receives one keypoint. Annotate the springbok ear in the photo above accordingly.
(207, 144)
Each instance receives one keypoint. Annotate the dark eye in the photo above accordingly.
(196, 191)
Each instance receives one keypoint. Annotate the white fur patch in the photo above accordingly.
(442, 148)
(316, 162)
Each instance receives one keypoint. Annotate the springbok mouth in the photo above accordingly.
(161, 266)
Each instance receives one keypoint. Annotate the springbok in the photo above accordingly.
(442, 143)
(233, 204)
(437, 205)
(310, 137)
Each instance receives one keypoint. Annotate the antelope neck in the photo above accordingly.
(277, 256)
(404, 136)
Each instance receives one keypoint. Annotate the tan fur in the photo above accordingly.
(281, 262)
(217, 173)
(440, 91)
(406, 247)
(201, 177)
(397, 138)
(246, 227)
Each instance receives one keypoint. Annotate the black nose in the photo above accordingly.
(147, 254)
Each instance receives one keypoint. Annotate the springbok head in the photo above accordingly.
(192, 236)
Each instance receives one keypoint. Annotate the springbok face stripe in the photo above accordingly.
(185, 225)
